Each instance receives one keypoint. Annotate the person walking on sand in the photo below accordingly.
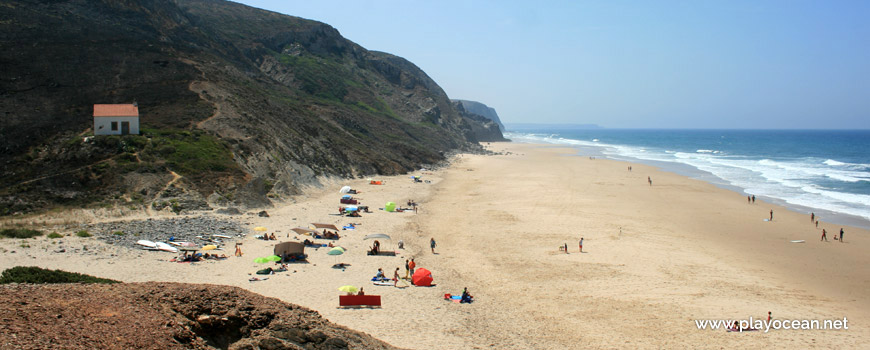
(824, 235)
(812, 217)
(841, 235)
(771, 215)
(649, 179)
(581, 244)
(407, 269)
(753, 198)
(566, 248)
(432, 244)
(748, 199)
(817, 223)
(396, 277)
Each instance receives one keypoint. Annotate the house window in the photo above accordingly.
(114, 126)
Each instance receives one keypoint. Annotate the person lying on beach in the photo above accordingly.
(354, 214)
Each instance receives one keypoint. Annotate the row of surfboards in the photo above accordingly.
(171, 246)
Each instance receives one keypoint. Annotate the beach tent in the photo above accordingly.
(422, 278)
(345, 189)
(304, 231)
(289, 248)
(293, 251)
(390, 206)
(326, 226)
(347, 196)
(350, 208)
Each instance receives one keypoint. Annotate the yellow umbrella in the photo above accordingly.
(209, 247)
(260, 228)
(348, 289)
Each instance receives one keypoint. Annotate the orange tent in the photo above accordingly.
(422, 278)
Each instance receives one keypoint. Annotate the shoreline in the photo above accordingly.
(692, 172)
(656, 258)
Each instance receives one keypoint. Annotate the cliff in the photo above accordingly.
(482, 110)
(239, 106)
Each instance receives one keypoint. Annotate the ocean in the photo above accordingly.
(822, 171)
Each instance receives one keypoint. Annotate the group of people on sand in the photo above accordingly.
(194, 257)
(270, 237)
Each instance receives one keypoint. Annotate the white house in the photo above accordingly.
(117, 119)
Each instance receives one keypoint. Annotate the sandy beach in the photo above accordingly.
(656, 258)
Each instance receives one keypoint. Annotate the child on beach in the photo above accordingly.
(824, 235)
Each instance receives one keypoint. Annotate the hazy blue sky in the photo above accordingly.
(632, 64)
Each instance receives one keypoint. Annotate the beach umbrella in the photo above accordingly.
(260, 228)
(345, 189)
(422, 278)
(209, 247)
(273, 258)
(336, 251)
(304, 231)
(348, 289)
(261, 260)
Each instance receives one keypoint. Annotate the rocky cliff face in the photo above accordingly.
(238, 105)
(483, 129)
(482, 110)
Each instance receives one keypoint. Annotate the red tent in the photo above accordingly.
(422, 277)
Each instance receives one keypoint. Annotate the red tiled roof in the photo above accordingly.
(120, 110)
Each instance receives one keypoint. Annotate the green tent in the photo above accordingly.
(391, 206)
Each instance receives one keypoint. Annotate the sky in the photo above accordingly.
(758, 64)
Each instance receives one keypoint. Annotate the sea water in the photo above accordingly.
(822, 171)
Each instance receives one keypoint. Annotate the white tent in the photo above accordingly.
(345, 189)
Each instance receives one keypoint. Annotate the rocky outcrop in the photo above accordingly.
(163, 316)
(483, 129)
(482, 110)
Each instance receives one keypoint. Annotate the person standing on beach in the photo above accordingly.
(753, 198)
(824, 236)
(407, 269)
(812, 217)
(649, 179)
(566, 248)
(581, 244)
(432, 244)
(841, 235)
(771, 215)
(748, 199)
(817, 223)
(396, 277)
(411, 266)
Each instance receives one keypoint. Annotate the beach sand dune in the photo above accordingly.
(656, 258)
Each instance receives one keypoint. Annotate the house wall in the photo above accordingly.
(103, 125)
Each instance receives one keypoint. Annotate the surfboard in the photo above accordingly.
(383, 283)
(145, 243)
(183, 244)
(798, 241)
(166, 247)
(221, 236)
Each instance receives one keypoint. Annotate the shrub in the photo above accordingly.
(32, 274)
(19, 233)
(118, 233)
(83, 233)
(55, 235)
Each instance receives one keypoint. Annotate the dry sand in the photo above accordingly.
(656, 258)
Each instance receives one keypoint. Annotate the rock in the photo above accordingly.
(263, 214)
(229, 211)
